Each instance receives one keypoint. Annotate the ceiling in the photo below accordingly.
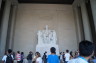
(47, 1)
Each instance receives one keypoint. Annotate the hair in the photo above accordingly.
(18, 52)
(9, 51)
(45, 51)
(30, 52)
(71, 53)
(53, 50)
(36, 53)
(67, 51)
(60, 52)
(39, 55)
(22, 52)
(86, 48)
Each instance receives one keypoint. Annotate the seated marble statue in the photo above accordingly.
(47, 36)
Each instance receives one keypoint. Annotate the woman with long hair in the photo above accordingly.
(39, 59)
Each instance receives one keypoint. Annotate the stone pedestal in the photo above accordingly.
(46, 39)
(46, 47)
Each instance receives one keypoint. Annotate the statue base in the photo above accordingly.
(41, 48)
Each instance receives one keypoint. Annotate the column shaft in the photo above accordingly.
(93, 6)
(4, 28)
(77, 18)
(12, 26)
(87, 30)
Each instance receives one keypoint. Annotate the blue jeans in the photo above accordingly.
(29, 61)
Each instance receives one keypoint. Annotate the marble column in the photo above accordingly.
(78, 28)
(5, 20)
(93, 6)
(86, 25)
(12, 26)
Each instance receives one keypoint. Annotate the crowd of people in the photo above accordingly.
(66, 56)
(85, 54)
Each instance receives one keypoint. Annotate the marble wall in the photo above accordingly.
(33, 17)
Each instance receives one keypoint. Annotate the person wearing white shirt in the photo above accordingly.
(67, 56)
(61, 57)
(86, 49)
(8, 57)
(39, 59)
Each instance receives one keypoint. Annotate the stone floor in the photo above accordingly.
(25, 61)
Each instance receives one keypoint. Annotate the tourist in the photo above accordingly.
(29, 57)
(86, 49)
(38, 58)
(8, 57)
(18, 57)
(76, 54)
(61, 57)
(67, 56)
(71, 55)
(92, 59)
(13, 55)
(64, 57)
(44, 58)
(22, 57)
(53, 58)
(34, 58)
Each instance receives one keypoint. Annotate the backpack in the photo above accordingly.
(9, 59)
(29, 57)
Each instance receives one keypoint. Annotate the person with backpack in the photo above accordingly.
(22, 57)
(8, 58)
(29, 57)
(63, 57)
(44, 58)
